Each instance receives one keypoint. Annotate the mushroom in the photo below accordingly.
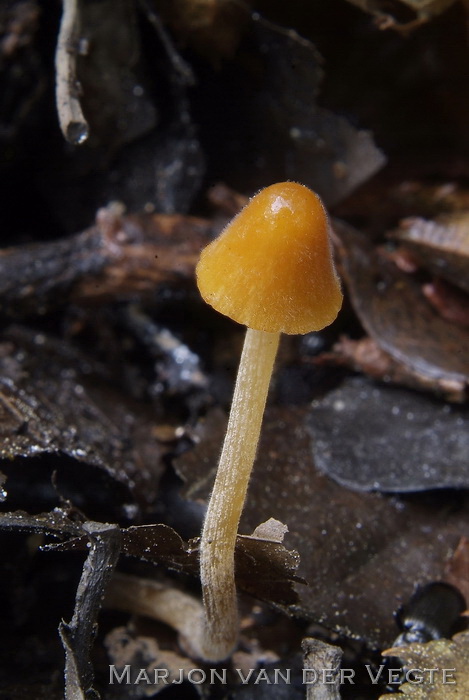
(271, 269)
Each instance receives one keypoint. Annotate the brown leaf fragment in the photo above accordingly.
(440, 245)
(56, 523)
(366, 356)
(158, 544)
(264, 567)
(275, 566)
(278, 78)
(449, 661)
(321, 148)
(118, 257)
(428, 200)
(394, 311)
(331, 155)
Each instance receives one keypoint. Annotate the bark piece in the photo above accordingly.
(78, 634)
(117, 258)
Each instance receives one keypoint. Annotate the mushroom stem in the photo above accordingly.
(227, 499)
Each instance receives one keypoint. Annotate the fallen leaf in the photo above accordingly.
(375, 437)
(440, 245)
(395, 313)
(61, 406)
(321, 149)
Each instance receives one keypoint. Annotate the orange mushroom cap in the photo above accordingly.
(271, 268)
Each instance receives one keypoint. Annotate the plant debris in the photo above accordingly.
(51, 408)
(394, 311)
(441, 246)
(319, 148)
(442, 654)
(78, 634)
(116, 379)
(117, 258)
(423, 10)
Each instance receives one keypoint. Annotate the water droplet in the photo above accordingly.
(77, 132)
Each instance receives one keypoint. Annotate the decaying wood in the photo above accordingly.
(78, 635)
(116, 258)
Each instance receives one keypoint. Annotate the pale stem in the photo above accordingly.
(71, 119)
(139, 596)
(226, 502)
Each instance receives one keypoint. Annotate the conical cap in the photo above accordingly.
(271, 268)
